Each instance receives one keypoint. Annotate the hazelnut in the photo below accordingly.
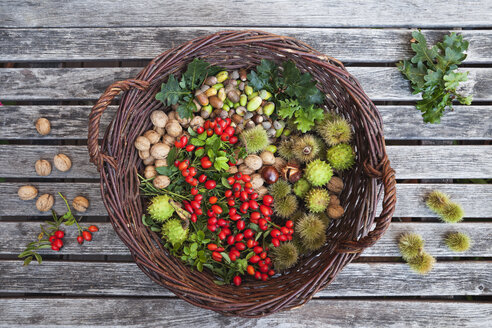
(269, 174)
(43, 126)
(267, 157)
(256, 181)
(254, 162)
(160, 150)
(142, 143)
(62, 162)
(150, 172)
(27, 192)
(152, 136)
(335, 185)
(161, 181)
(45, 202)
(173, 128)
(149, 160)
(80, 204)
(335, 211)
(159, 118)
(43, 167)
(160, 162)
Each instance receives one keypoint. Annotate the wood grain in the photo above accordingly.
(409, 162)
(355, 280)
(347, 45)
(157, 312)
(17, 234)
(400, 123)
(380, 83)
(316, 13)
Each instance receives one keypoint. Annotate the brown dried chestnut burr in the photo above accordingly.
(269, 174)
(292, 172)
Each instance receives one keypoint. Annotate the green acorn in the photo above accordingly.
(422, 263)
(174, 232)
(285, 207)
(452, 213)
(318, 172)
(310, 228)
(286, 149)
(301, 187)
(255, 139)
(306, 148)
(285, 256)
(280, 189)
(335, 131)
(160, 210)
(341, 156)
(437, 200)
(458, 241)
(317, 200)
(410, 245)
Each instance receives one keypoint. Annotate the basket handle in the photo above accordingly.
(384, 219)
(96, 155)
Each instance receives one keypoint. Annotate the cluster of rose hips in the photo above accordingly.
(244, 207)
(87, 234)
(56, 239)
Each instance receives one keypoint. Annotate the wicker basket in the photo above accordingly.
(118, 163)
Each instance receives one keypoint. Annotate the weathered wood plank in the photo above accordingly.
(315, 13)
(380, 83)
(17, 234)
(400, 123)
(410, 162)
(347, 45)
(151, 312)
(355, 280)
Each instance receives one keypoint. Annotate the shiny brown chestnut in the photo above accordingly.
(269, 174)
(292, 172)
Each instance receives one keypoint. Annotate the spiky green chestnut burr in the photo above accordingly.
(255, 139)
(437, 200)
(285, 256)
(458, 241)
(160, 210)
(315, 243)
(306, 148)
(301, 188)
(174, 232)
(318, 172)
(310, 227)
(335, 131)
(410, 245)
(317, 200)
(452, 213)
(285, 207)
(341, 157)
(286, 149)
(422, 263)
(280, 189)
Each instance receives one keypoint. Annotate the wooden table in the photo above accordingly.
(56, 59)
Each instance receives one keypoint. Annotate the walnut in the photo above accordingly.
(80, 204)
(45, 202)
(160, 162)
(159, 118)
(173, 128)
(232, 169)
(256, 181)
(160, 150)
(27, 192)
(62, 162)
(161, 181)
(335, 211)
(152, 136)
(43, 126)
(159, 130)
(334, 200)
(149, 160)
(142, 143)
(143, 154)
(43, 167)
(267, 157)
(335, 185)
(150, 172)
(254, 162)
(168, 140)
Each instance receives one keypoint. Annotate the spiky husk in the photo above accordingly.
(314, 244)
(286, 149)
(285, 207)
(173, 232)
(285, 256)
(323, 216)
(280, 189)
(452, 213)
(255, 139)
(422, 263)
(437, 200)
(341, 157)
(335, 131)
(317, 200)
(458, 241)
(297, 215)
(160, 210)
(310, 227)
(301, 188)
(410, 245)
(306, 148)
(318, 172)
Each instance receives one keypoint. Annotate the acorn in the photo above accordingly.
(292, 172)
(269, 174)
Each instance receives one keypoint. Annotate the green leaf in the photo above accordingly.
(453, 80)
(225, 183)
(195, 73)
(192, 132)
(186, 109)
(197, 142)
(306, 118)
(27, 260)
(288, 107)
(194, 247)
(422, 52)
(155, 229)
(202, 136)
(414, 73)
(38, 258)
(171, 157)
(200, 235)
(200, 152)
(199, 266)
(166, 170)
(170, 91)
(226, 257)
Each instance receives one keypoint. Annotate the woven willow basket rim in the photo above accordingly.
(118, 164)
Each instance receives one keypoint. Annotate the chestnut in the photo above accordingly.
(269, 174)
(292, 172)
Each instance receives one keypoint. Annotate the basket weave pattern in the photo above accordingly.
(118, 163)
